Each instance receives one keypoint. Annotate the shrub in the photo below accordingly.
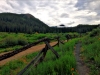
(11, 41)
(8, 41)
(22, 41)
(95, 32)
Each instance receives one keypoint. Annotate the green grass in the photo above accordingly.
(54, 66)
(13, 40)
(91, 51)
(65, 65)
(10, 48)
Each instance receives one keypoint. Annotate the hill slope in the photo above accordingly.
(10, 22)
(26, 23)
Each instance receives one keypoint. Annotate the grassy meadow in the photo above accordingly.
(13, 41)
(65, 65)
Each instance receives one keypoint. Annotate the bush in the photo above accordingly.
(11, 41)
(95, 32)
(8, 41)
(22, 41)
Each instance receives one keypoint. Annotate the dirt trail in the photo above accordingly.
(26, 52)
(81, 67)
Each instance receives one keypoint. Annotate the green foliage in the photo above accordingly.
(53, 66)
(65, 65)
(9, 68)
(12, 41)
(26, 23)
(95, 32)
(91, 51)
(73, 35)
(22, 41)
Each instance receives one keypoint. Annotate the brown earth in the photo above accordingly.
(26, 52)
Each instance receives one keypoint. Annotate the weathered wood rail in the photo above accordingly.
(7, 55)
(41, 55)
(12, 53)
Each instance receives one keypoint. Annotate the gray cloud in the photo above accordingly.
(68, 12)
(81, 4)
(64, 15)
(71, 23)
(92, 5)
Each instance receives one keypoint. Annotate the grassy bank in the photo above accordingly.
(65, 65)
(90, 51)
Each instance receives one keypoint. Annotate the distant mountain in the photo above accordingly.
(81, 28)
(11, 22)
(26, 23)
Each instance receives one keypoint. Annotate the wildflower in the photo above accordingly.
(72, 69)
(74, 47)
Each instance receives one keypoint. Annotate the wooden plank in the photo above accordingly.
(40, 59)
(58, 41)
(61, 42)
(36, 60)
(7, 55)
(21, 72)
(56, 54)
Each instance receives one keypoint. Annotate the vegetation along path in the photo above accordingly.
(23, 53)
(81, 67)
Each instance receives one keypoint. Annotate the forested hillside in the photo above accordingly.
(26, 23)
(10, 22)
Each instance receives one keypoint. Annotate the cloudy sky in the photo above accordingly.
(56, 12)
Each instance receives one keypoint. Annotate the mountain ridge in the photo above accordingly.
(27, 23)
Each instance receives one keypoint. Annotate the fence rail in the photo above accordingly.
(12, 53)
(41, 55)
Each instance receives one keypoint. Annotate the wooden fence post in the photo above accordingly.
(51, 48)
(44, 51)
(58, 41)
(39, 58)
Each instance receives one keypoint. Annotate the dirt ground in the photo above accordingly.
(81, 67)
(26, 52)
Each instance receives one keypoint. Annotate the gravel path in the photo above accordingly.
(81, 67)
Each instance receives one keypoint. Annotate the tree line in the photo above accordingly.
(26, 23)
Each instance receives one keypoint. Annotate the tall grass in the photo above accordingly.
(13, 40)
(65, 65)
(91, 51)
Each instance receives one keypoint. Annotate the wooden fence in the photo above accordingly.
(7, 55)
(41, 55)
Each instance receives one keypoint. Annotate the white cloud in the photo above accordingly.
(56, 12)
